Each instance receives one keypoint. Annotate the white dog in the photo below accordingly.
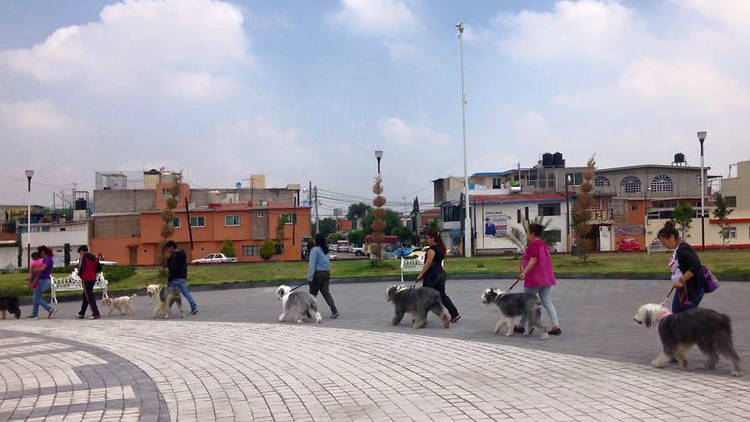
(164, 297)
(297, 305)
(122, 304)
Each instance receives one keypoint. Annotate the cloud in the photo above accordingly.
(181, 48)
(399, 132)
(40, 117)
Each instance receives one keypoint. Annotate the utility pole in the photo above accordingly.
(317, 216)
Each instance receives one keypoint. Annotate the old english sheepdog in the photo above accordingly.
(417, 301)
(297, 305)
(164, 297)
(513, 305)
(710, 330)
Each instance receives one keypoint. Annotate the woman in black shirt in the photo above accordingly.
(433, 275)
(688, 279)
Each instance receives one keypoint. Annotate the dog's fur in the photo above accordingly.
(297, 305)
(710, 330)
(122, 304)
(418, 302)
(514, 305)
(164, 297)
(10, 304)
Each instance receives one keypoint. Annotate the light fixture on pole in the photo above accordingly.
(379, 155)
(568, 182)
(702, 138)
(29, 175)
(467, 217)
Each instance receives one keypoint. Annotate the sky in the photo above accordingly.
(305, 91)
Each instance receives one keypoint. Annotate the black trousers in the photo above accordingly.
(89, 299)
(436, 280)
(321, 283)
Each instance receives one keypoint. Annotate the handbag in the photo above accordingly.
(711, 282)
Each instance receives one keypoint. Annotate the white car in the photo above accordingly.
(332, 256)
(358, 251)
(214, 258)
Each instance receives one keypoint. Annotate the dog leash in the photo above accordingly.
(509, 289)
(299, 285)
(669, 293)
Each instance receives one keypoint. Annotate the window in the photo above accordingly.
(250, 250)
(165, 193)
(554, 235)
(526, 213)
(496, 183)
(547, 210)
(576, 179)
(232, 220)
(289, 218)
(261, 214)
(634, 206)
(601, 181)
(175, 223)
(62, 229)
(451, 213)
(518, 216)
(662, 183)
(731, 201)
(197, 222)
(630, 184)
(731, 232)
(278, 249)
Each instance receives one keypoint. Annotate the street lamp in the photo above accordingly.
(568, 182)
(467, 218)
(702, 138)
(29, 175)
(378, 155)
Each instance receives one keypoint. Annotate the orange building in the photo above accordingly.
(134, 238)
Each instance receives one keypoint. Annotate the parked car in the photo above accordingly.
(358, 251)
(628, 244)
(332, 256)
(214, 258)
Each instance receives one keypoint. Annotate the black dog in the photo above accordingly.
(10, 304)
(418, 302)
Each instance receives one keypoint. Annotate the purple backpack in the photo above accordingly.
(711, 282)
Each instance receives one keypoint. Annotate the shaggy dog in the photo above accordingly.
(297, 305)
(164, 297)
(513, 305)
(418, 302)
(710, 330)
(122, 304)
(10, 304)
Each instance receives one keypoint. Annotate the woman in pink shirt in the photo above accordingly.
(538, 275)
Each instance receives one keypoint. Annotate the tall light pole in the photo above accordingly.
(467, 217)
(29, 175)
(379, 156)
(702, 138)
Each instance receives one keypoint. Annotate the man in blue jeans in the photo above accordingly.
(177, 264)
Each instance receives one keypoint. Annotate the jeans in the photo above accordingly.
(321, 282)
(544, 295)
(436, 280)
(181, 284)
(677, 306)
(44, 284)
(89, 299)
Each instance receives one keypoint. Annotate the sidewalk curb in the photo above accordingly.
(396, 280)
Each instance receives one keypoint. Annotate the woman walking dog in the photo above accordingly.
(538, 275)
(433, 275)
(319, 273)
(687, 271)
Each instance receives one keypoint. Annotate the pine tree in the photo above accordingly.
(582, 212)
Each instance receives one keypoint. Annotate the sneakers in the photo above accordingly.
(518, 329)
(95, 317)
(52, 313)
(455, 319)
(194, 311)
(79, 316)
(556, 331)
(335, 315)
(32, 317)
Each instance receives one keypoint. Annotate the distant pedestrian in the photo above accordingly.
(43, 284)
(88, 268)
(319, 273)
(538, 275)
(686, 268)
(433, 275)
(177, 264)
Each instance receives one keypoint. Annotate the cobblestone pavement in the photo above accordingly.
(358, 368)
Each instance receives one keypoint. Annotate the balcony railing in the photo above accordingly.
(602, 216)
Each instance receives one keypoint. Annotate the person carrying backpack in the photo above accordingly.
(88, 268)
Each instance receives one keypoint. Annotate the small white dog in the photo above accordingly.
(122, 304)
(297, 305)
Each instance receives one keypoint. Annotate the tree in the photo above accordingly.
(280, 225)
(356, 237)
(582, 212)
(683, 217)
(434, 225)
(327, 226)
(333, 238)
(358, 210)
(518, 236)
(404, 235)
(227, 248)
(168, 217)
(267, 249)
(392, 222)
(721, 212)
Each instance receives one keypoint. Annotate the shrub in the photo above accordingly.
(227, 248)
(267, 249)
(118, 273)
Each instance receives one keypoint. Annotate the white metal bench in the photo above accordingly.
(73, 282)
(414, 265)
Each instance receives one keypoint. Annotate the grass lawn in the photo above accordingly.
(720, 262)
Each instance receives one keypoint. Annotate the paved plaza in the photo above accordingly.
(234, 362)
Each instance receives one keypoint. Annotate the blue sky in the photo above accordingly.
(303, 90)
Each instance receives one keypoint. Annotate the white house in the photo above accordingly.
(55, 236)
(495, 214)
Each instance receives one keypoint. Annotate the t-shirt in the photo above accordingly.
(687, 260)
(542, 275)
(49, 263)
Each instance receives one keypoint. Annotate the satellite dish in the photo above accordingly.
(238, 185)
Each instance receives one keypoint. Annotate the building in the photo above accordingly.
(9, 251)
(10, 213)
(56, 235)
(127, 222)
